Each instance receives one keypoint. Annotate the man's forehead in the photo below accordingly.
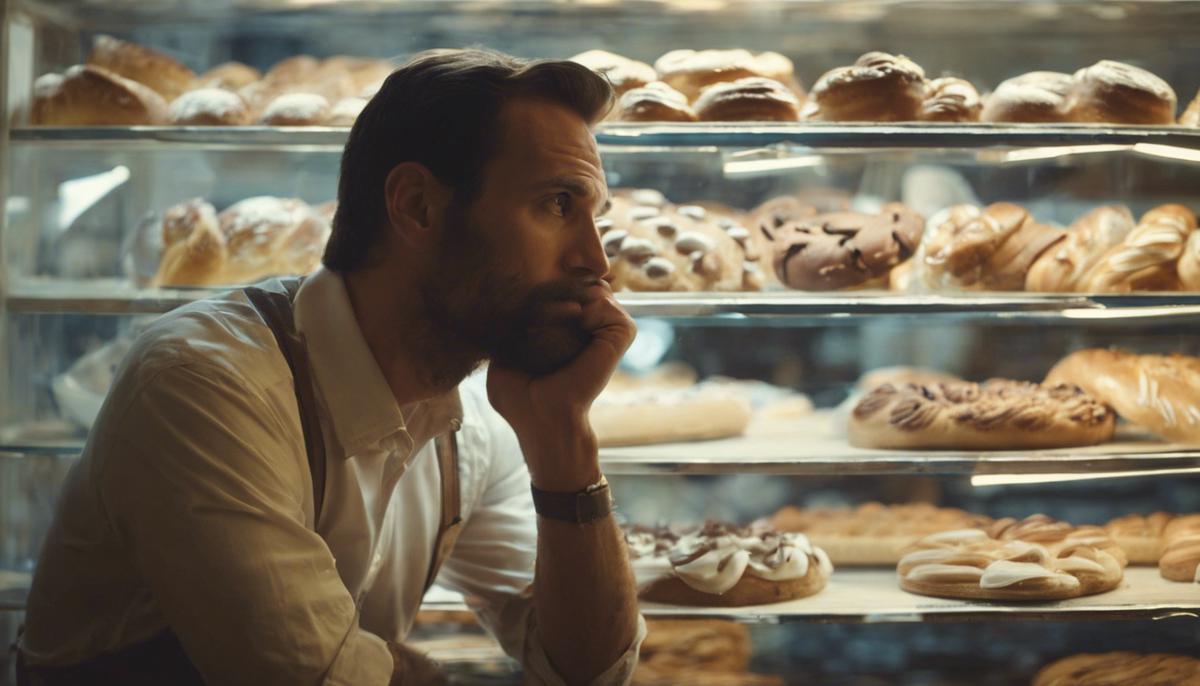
(547, 138)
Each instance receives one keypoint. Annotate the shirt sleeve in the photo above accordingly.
(204, 488)
(492, 564)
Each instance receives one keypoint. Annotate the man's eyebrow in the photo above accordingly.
(574, 184)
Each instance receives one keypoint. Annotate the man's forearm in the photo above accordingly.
(584, 596)
(584, 593)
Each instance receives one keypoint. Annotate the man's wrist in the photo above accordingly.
(564, 461)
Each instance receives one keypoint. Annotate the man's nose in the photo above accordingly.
(588, 255)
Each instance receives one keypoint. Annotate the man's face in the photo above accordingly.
(514, 263)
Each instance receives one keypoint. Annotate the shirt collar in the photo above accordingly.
(361, 407)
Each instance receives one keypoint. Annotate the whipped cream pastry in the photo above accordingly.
(713, 558)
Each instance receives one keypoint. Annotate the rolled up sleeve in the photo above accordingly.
(492, 565)
(206, 490)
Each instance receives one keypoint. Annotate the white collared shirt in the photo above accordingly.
(192, 508)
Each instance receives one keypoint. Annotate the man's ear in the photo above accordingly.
(415, 201)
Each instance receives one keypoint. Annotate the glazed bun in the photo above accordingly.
(161, 73)
(93, 96)
(655, 101)
(878, 87)
(1117, 93)
(753, 98)
(1036, 97)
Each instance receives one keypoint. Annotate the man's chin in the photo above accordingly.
(543, 351)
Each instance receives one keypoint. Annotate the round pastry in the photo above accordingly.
(1140, 536)
(1036, 97)
(750, 99)
(655, 246)
(879, 87)
(951, 100)
(1191, 116)
(872, 533)
(996, 415)
(1117, 93)
(1180, 560)
(1034, 559)
(292, 71)
(691, 71)
(1156, 392)
(194, 249)
(345, 112)
(992, 248)
(655, 101)
(1120, 668)
(161, 73)
(1146, 259)
(92, 96)
(210, 107)
(720, 565)
(622, 73)
(269, 236)
(249, 241)
(230, 76)
(1061, 268)
(296, 109)
(844, 249)
(668, 415)
(1188, 267)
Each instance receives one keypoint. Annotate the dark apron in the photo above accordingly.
(162, 659)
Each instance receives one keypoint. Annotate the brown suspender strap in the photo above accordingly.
(276, 310)
(449, 525)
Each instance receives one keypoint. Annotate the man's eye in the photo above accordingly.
(561, 204)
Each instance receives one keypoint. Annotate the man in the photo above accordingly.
(199, 540)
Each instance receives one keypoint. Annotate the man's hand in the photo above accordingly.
(549, 413)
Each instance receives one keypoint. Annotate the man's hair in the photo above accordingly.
(440, 110)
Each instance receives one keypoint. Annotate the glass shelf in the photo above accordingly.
(873, 596)
(41, 295)
(1177, 143)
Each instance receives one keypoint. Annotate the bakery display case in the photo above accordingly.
(820, 291)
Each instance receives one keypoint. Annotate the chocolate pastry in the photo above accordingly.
(750, 99)
(996, 415)
(844, 249)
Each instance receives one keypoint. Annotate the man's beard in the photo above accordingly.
(487, 313)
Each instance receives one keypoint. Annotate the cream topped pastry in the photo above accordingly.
(722, 564)
(1037, 558)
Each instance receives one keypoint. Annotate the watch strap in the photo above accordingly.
(592, 503)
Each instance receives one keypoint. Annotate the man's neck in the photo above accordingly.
(418, 360)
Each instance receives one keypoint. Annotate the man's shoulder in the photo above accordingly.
(223, 335)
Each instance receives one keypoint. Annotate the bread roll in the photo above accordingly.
(691, 71)
(1191, 116)
(1146, 259)
(1180, 560)
(253, 239)
(210, 107)
(1117, 93)
(296, 109)
(655, 101)
(1102, 669)
(1140, 536)
(996, 415)
(161, 73)
(345, 112)
(292, 71)
(622, 73)
(951, 100)
(1036, 97)
(231, 76)
(668, 415)
(92, 96)
(750, 99)
(878, 87)
(1157, 392)
(1189, 264)
(993, 248)
(1062, 268)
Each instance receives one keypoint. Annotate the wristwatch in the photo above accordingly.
(592, 503)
